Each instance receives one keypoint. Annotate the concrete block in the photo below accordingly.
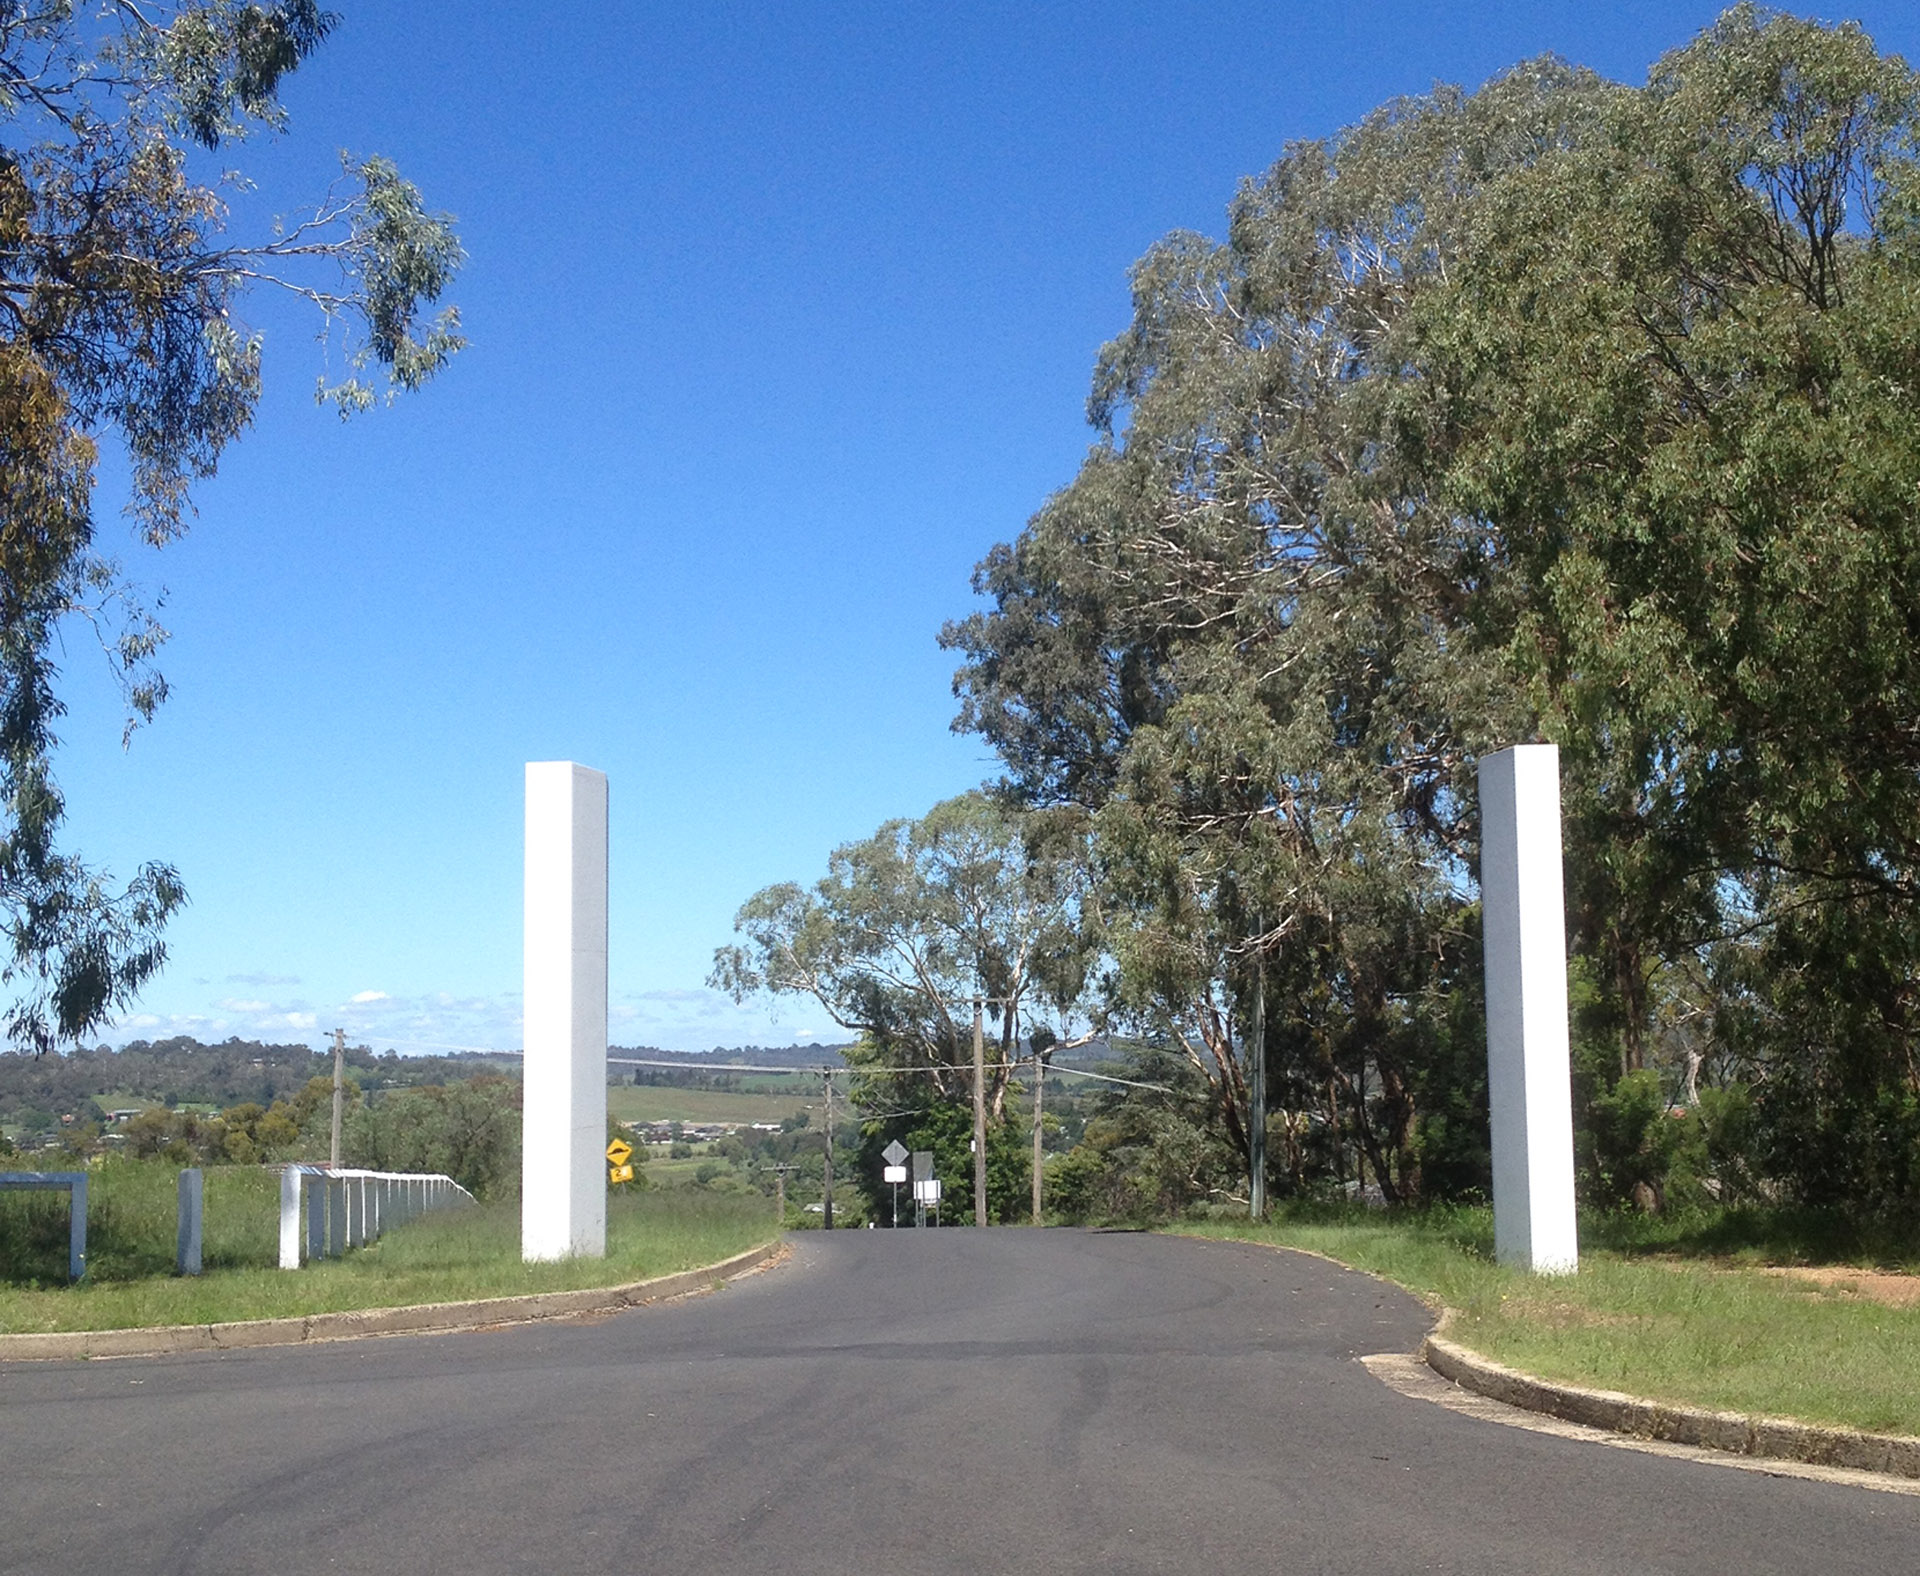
(563, 1184)
(1530, 1086)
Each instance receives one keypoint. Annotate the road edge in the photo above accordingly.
(354, 1323)
(1757, 1437)
(1737, 1433)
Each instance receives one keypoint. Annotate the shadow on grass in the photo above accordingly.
(1761, 1234)
(1743, 1234)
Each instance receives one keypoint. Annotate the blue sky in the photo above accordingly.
(781, 316)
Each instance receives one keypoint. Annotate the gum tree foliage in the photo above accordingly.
(1235, 638)
(1557, 410)
(468, 1130)
(907, 927)
(1678, 375)
(120, 302)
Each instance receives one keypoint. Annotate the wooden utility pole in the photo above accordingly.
(1040, 1060)
(780, 1169)
(339, 1091)
(826, 1203)
(1257, 1103)
(979, 1112)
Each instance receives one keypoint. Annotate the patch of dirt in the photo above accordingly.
(1881, 1286)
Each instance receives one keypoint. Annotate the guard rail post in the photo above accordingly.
(187, 1239)
(290, 1218)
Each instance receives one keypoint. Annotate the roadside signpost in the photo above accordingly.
(619, 1156)
(895, 1155)
(926, 1187)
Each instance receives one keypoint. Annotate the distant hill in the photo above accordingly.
(741, 1056)
(35, 1092)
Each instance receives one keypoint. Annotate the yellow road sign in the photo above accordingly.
(620, 1173)
(619, 1152)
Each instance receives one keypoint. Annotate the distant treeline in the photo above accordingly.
(796, 1056)
(36, 1091)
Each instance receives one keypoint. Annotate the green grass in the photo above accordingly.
(659, 1103)
(124, 1100)
(131, 1223)
(1722, 1334)
(447, 1257)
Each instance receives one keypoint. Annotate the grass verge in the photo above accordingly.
(1725, 1333)
(447, 1257)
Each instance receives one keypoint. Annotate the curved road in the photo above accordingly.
(896, 1403)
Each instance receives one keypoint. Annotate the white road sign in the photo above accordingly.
(895, 1155)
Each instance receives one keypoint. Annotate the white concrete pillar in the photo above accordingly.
(290, 1218)
(563, 1190)
(1523, 911)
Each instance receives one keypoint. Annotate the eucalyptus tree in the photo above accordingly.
(120, 303)
(1556, 410)
(1241, 636)
(1678, 371)
(911, 925)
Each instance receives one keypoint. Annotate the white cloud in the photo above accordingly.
(694, 1019)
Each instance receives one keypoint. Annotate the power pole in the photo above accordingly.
(979, 1112)
(826, 1206)
(1257, 1122)
(339, 1090)
(780, 1169)
(1040, 1060)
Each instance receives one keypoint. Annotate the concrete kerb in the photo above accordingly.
(1771, 1438)
(1736, 1433)
(351, 1324)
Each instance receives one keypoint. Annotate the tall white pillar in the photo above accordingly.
(1523, 911)
(563, 1185)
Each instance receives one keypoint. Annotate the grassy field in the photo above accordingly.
(131, 1222)
(1724, 1332)
(448, 1256)
(658, 1103)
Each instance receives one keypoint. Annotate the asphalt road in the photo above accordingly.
(893, 1403)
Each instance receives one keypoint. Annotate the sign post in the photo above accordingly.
(895, 1155)
(922, 1178)
(619, 1153)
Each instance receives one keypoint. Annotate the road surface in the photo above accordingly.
(945, 1403)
